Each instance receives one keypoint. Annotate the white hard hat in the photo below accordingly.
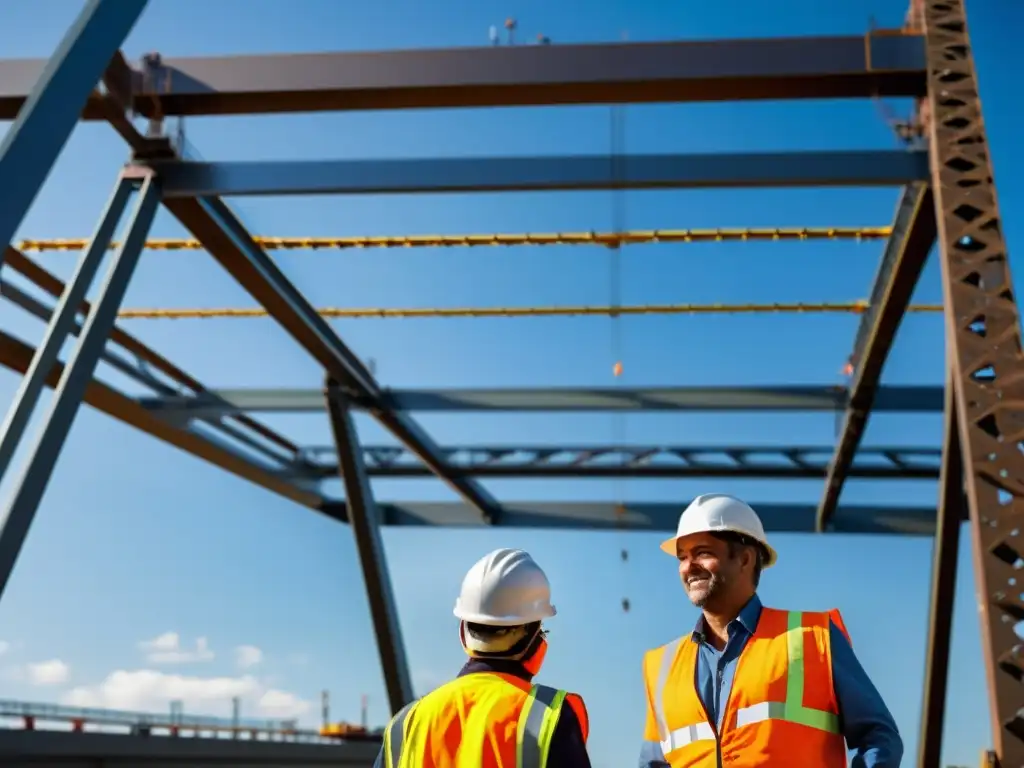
(719, 512)
(504, 589)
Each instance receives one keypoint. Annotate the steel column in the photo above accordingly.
(984, 338)
(363, 516)
(62, 321)
(526, 174)
(74, 381)
(944, 565)
(49, 114)
(906, 251)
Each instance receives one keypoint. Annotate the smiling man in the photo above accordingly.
(752, 685)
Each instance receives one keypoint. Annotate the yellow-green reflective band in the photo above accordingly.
(792, 710)
(536, 726)
(395, 735)
(667, 657)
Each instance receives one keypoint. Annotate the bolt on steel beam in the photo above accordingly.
(363, 516)
(48, 115)
(985, 350)
(950, 518)
(75, 379)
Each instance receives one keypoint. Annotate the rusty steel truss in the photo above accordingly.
(948, 198)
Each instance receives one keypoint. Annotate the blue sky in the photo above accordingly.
(135, 540)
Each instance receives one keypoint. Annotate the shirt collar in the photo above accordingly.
(746, 620)
(501, 666)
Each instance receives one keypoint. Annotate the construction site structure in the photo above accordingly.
(948, 199)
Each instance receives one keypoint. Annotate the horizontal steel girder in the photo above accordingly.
(86, 750)
(216, 403)
(649, 461)
(603, 73)
(655, 516)
(860, 168)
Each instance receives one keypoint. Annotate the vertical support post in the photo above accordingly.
(61, 323)
(50, 113)
(985, 350)
(944, 564)
(18, 516)
(364, 519)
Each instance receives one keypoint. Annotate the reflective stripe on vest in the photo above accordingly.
(535, 729)
(791, 710)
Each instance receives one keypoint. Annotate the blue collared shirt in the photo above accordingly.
(870, 732)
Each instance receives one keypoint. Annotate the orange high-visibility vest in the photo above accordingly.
(782, 708)
(480, 720)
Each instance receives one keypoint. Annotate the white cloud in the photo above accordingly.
(248, 656)
(278, 703)
(52, 672)
(166, 649)
(150, 690)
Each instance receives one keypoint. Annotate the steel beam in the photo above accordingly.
(653, 516)
(45, 118)
(75, 378)
(951, 512)
(213, 223)
(216, 403)
(61, 323)
(595, 461)
(16, 355)
(984, 339)
(913, 234)
(143, 365)
(532, 174)
(602, 73)
(21, 749)
(363, 517)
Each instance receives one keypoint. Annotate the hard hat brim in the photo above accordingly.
(504, 621)
(669, 546)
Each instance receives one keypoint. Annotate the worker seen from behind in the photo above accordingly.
(752, 685)
(493, 715)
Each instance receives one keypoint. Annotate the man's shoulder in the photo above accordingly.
(673, 643)
(807, 616)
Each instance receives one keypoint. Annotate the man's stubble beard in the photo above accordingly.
(715, 584)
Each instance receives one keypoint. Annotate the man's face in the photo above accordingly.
(705, 567)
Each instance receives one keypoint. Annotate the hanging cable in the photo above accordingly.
(719, 235)
(617, 139)
(352, 313)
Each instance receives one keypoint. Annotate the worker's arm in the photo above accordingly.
(867, 724)
(568, 742)
(651, 754)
